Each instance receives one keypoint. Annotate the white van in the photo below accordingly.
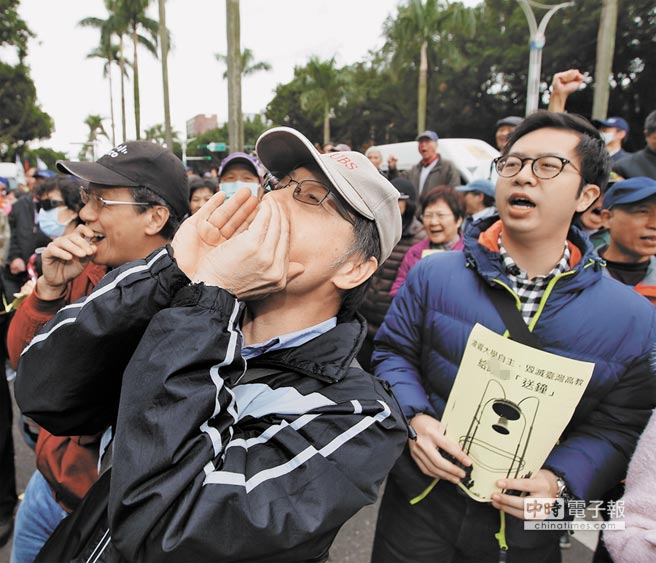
(14, 174)
(472, 157)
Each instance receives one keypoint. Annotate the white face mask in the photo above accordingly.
(230, 188)
(608, 137)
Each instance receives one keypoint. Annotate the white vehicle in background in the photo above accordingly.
(472, 157)
(13, 173)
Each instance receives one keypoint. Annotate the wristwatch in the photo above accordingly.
(563, 491)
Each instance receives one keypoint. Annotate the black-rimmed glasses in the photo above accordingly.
(100, 202)
(544, 167)
(310, 192)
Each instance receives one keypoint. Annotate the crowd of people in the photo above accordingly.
(193, 353)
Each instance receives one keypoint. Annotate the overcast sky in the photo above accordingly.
(282, 32)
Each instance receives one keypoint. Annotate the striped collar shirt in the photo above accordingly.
(531, 290)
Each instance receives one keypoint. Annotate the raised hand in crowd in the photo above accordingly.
(563, 84)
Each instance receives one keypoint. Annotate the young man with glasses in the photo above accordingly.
(243, 428)
(553, 166)
(134, 198)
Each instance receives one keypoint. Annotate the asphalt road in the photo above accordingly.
(353, 543)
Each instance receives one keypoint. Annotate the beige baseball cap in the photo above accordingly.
(351, 173)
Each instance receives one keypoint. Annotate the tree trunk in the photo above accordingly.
(326, 124)
(422, 89)
(135, 77)
(604, 62)
(164, 42)
(121, 64)
(235, 123)
(111, 100)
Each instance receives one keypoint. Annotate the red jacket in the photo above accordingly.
(69, 463)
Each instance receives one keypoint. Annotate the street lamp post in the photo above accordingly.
(537, 44)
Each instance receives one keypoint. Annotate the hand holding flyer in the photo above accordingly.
(509, 405)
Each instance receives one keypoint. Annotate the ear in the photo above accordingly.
(605, 218)
(157, 216)
(354, 272)
(459, 223)
(589, 194)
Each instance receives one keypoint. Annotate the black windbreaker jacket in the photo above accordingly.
(214, 460)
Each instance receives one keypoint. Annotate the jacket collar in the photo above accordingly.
(482, 253)
(327, 357)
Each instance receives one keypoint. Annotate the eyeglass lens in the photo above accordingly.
(545, 167)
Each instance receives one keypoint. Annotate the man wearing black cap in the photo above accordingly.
(243, 430)
(432, 170)
(134, 199)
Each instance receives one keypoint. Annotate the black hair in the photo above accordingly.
(366, 244)
(201, 183)
(69, 186)
(650, 123)
(142, 194)
(452, 197)
(595, 160)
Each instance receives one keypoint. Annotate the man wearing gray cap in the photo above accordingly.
(244, 430)
(432, 170)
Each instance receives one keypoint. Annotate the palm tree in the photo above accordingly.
(133, 13)
(110, 27)
(235, 123)
(423, 25)
(164, 44)
(110, 54)
(158, 133)
(322, 90)
(96, 129)
(248, 64)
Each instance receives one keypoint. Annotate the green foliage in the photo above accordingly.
(253, 128)
(247, 64)
(157, 133)
(21, 119)
(49, 156)
(13, 29)
(473, 79)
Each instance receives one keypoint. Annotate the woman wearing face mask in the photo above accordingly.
(238, 170)
(59, 204)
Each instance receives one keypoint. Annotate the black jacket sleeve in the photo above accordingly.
(21, 225)
(69, 376)
(260, 471)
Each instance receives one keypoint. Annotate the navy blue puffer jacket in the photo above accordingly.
(583, 315)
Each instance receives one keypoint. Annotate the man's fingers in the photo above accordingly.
(221, 214)
(67, 248)
(509, 504)
(247, 223)
(241, 216)
(453, 449)
(209, 207)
